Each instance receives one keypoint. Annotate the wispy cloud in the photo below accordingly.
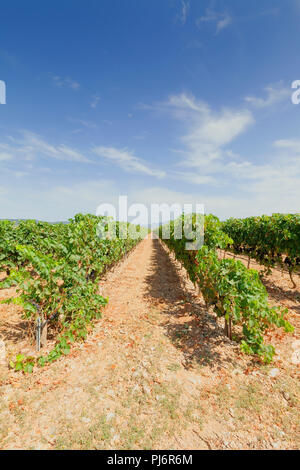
(207, 132)
(94, 101)
(264, 184)
(30, 146)
(4, 156)
(56, 201)
(223, 23)
(275, 93)
(66, 82)
(221, 19)
(37, 145)
(184, 11)
(293, 145)
(194, 44)
(127, 161)
(84, 123)
(142, 136)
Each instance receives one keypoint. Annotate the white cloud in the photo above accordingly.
(127, 160)
(194, 44)
(184, 11)
(31, 146)
(223, 23)
(292, 145)
(95, 101)
(66, 82)
(259, 200)
(275, 94)
(84, 123)
(59, 202)
(36, 145)
(56, 201)
(227, 183)
(208, 132)
(221, 19)
(264, 184)
(194, 178)
(4, 156)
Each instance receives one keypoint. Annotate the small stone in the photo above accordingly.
(195, 380)
(110, 416)
(40, 446)
(274, 372)
(286, 395)
(296, 357)
(146, 389)
(296, 344)
(69, 414)
(85, 420)
(276, 445)
(231, 424)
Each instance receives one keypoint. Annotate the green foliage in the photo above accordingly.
(235, 292)
(238, 294)
(56, 269)
(270, 240)
(23, 363)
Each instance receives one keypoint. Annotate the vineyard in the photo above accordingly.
(57, 268)
(145, 343)
(272, 241)
(236, 292)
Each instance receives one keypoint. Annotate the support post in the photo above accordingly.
(44, 329)
(38, 333)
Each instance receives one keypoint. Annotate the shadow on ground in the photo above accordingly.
(191, 327)
(13, 332)
(279, 293)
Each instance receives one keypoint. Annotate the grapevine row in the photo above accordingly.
(270, 240)
(56, 269)
(235, 292)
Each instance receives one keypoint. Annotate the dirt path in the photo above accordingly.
(155, 373)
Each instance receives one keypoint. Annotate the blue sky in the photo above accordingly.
(165, 101)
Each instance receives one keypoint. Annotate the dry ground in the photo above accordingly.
(156, 373)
